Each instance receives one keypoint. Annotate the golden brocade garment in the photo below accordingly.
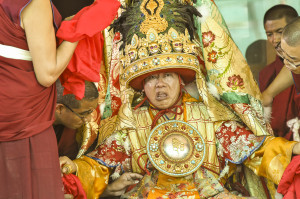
(227, 143)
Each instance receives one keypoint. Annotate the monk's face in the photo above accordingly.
(274, 30)
(162, 89)
(75, 118)
(291, 56)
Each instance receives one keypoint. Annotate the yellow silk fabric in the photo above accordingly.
(271, 159)
(166, 185)
(93, 176)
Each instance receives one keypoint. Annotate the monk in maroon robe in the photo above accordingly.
(29, 166)
(285, 105)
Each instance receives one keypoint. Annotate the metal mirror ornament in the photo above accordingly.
(176, 148)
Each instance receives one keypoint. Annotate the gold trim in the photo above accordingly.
(159, 62)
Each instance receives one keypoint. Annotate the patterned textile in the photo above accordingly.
(125, 151)
(228, 71)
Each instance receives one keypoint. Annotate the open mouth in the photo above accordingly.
(161, 96)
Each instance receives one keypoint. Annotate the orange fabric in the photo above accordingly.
(271, 159)
(86, 27)
(165, 187)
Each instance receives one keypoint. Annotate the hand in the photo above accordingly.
(69, 18)
(296, 70)
(296, 149)
(119, 186)
(69, 196)
(67, 166)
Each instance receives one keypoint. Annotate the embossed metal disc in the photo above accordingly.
(176, 148)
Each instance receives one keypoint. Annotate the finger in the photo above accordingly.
(67, 168)
(62, 160)
(135, 176)
(69, 196)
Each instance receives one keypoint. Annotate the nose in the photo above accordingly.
(160, 82)
(88, 118)
(276, 39)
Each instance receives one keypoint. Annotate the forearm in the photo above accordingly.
(48, 70)
(283, 80)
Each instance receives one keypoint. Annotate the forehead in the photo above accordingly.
(291, 51)
(162, 73)
(273, 25)
(87, 104)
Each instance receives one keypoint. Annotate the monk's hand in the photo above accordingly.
(296, 149)
(69, 196)
(67, 166)
(69, 18)
(119, 186)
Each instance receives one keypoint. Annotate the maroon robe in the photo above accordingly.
(285, 104)
(29, 166)
(296, 78)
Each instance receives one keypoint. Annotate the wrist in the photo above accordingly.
(296, 149)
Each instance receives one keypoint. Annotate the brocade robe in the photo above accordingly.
(226, 142)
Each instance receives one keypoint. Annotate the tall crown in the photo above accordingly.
(158, 35)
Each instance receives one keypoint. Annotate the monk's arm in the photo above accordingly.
(48, 60)
(282, 81)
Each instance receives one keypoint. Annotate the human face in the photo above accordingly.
(162, 89)
(74, 118)
(291, 56)
(274, 30)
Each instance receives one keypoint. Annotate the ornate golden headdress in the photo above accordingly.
(158, 35)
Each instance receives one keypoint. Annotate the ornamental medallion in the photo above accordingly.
(176, 148)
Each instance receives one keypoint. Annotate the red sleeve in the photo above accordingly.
(266, 76)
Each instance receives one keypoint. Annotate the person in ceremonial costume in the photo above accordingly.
(30, 63)
(164, 143)
(285, 105)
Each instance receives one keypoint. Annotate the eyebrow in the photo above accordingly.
(84, 112)
(267, 32)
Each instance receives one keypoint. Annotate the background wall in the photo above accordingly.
(244, 19)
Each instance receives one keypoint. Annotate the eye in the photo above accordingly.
(151, 77)
(168, 74)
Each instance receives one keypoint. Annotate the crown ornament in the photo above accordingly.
(157, 35)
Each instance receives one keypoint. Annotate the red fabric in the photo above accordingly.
(73, 186)
(285, 105)
(86, 27)
(26, 107)
(29, 168)
(290, 181)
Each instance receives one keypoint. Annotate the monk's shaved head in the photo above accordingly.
(281, 11)
(291, 33)
(91, 93)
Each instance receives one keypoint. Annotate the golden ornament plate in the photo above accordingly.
(176, 148)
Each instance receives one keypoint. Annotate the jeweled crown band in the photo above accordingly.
(160, 62)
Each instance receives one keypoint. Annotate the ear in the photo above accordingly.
(59, 108)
